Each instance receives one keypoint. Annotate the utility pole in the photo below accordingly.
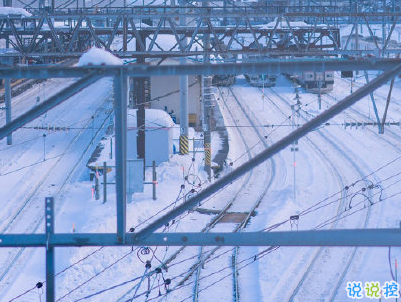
(183, 91)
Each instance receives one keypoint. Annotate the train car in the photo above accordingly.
(316, 82)
(223, 80)
(261, 80)
(258, 80)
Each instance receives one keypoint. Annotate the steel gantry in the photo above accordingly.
(147, 235)
(69, 35)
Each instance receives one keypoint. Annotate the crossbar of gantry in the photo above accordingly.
(32, 28)
(137, 70)
(192, 53)
(365, 237)
(213, 12)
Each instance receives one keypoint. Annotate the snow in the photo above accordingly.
(328, 159)
(283, 24)
(98, 56)
(14, 11)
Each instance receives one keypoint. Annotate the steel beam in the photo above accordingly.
(175, 54)
(272, 150)
(372, 98)
(364, 237)
(157, 12)
(45, 106)
(272, 66)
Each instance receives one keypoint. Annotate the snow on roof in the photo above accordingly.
(154, 118)
(283, 24)
(98, 56)
(14, 11)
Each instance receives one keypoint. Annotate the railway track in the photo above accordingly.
(33, 204)
(380, 137)
(236, 295)
(196, 268)
(18, 86)
(207, 228)
(242, 226)
(317, 257)
(245, 221)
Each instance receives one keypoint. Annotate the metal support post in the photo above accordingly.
(225, 11)
(154, 179)
(50, 271)
(44, 146)
(111, 148)
(372, 97)
(207, 83)
(104, 182)
(141, 119)
(140, 105)
(120, 103)
(97, 193)
(319, 97)
(387, 104)
(193, 147)
(7, 100)
(183, 91)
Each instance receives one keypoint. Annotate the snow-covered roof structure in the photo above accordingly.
(283, 24)
(98, 56)
(14, 11)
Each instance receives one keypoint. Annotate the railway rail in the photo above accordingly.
(195, 269)
(24, 209)
(309, 272)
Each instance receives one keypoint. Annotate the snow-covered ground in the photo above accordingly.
(332, 167)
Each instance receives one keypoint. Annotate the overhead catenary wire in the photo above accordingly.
(124, 256)
(254, 257)
(382, 199)
(380, 168)
(94, 276)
